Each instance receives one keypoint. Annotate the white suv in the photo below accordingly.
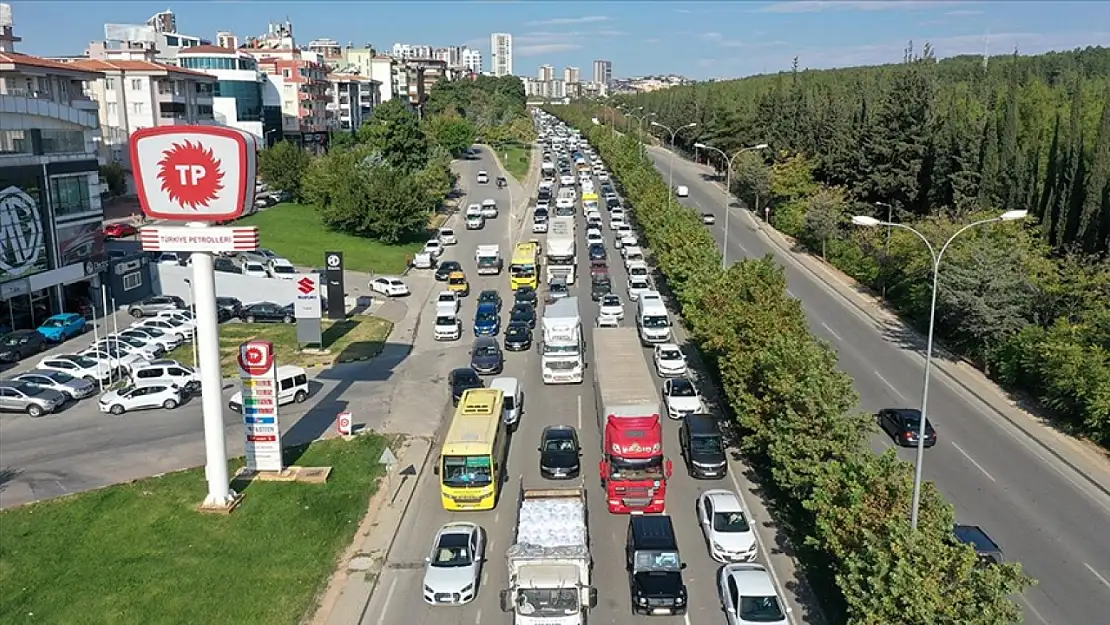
(167, 371)
(448, 328)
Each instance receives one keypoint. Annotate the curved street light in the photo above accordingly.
(728, 187)
(640, 131)
(670, 167)
(871, 222)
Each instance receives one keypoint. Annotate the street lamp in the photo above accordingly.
(728, 188)
(640, 131)
(871, 222)
(670, 168)
(889, 230)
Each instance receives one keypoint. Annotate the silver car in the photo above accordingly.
(454, 567)
(17, 396)
(64, 383)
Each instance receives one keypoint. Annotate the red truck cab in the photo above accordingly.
(634, 471)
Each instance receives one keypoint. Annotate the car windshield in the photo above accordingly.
(10, 340)
(445, 321)
(517, 331)
(487, 298)
(760, 609)
(255, 267)
(457, 280)
(54, 323)
(284, 269)
(705, 445)
(682, 388)
(450, 266)
(468, 378)
(654, 321)
(446, 233)
(557, 287)
(730, 522)
(447, 299)
(58, 376)
(670, 354)
(547, 602)
(610, 300)
(28, 389)
(486, 317)
(558, 444)
(452, 551)
(487, 350)
(658, 561)
(81, 361)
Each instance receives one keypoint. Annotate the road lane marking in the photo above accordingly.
(686, 615)
(478, 616)
(977, 465)
(1033, 610)
(580, 414)
(832, 332)
(485, 579)
(759, 540)
(1099, 577)
(791, 293)
(496, 517)
(388, 597)
(888, 384)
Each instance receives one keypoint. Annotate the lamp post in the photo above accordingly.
(640, 131)
(889, 230)
(871, 222)
(670, 165)
(728, 188)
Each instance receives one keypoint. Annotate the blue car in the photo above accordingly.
(487, 322)
(62, 327)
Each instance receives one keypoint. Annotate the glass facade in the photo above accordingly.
(248, 98)
(70, 194)
(217, 62)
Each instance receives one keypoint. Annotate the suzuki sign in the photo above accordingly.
(307, 309)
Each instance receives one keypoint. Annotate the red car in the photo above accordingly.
(119, 231)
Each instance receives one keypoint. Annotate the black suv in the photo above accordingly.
(654, 567)
(703, 447)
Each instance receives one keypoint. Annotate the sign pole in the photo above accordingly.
(96, 341)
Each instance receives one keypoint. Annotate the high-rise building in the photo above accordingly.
(547, 72)
(603, 72)
(472, 60)
(164, 22)
(501, 53)
(404, 52)
(571, 75)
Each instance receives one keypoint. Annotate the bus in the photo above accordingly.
(472, 464)
(524, 270)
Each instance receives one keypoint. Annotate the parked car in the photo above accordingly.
(78, 366)
(228, 308)
(282, 269)
(72, 387)
(128, 344)
(119, 231)
(390, 286)
(167, 340)
(113, 356)
(226, 265)
(267, 312)
(167, 371)
(62, 327)
(15, 346)
(150, 306)
(454, 566)
(141, 397)
(36, 401)
(254, 269)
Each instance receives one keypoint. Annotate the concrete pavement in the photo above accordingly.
(1041, 496)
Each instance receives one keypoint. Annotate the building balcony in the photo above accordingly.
(80, 110)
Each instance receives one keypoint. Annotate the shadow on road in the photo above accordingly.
(8, 474)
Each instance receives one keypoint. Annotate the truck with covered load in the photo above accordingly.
(562, 262)
(634, 471)
(561, 360)
(488, 258)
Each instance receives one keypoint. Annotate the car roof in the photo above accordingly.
(663, 346)
(908, 413)
(456, 527)
(563, 431)
(463, 370)
(484, 341)
(723, 500)
(751, 579)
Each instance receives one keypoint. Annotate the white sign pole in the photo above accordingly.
(206, 345)
(96, 341)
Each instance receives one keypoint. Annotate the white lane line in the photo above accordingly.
(1033, 610)
(759, 539)
(485, 579)
(579, 415)
(686, 616)
(977, 465)
(888, 384)
(388, 597)
(832, 332)
(1099, 577)
(791, 293)
(478, 616)
(496, 518)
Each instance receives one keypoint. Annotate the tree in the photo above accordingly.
(792, 179)
(397, 206)
(437, 178)
(115, 177)
(522, 130)
(394, 131)
(752, 177)
(451, 132)
(282, 167)
(824, 214)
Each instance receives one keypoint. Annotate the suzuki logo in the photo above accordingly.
(306, 285)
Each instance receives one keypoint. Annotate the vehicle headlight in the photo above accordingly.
(468, 587)
(642, 600)
(680, 600)
(718, 547)
(428, 589)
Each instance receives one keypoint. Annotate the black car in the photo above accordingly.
(525, 295)
(904, 424)
(600, 285)
(559, 453)
(703, 447)
(267, 312)
(15, 346)
(597, 252)
(541, 212)
(486, 357)
(612, 203)
(654, 566)
(988, 551)
(228, 308)
(462, 380)
(226, 265)
(524, 314)
(446, 268)
(490, 296)
(518, 337)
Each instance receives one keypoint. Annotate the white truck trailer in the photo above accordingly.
(561, 360)
(488, 258)
(562, 261)
(549, 562)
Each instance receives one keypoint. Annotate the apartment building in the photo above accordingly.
(603, 72)
(227, 39)
(237, 99)
(571, 75)
(547, 73)
(330, 51)
(366, 61)
(472, 60)
(302, 88)
(404, 51)
(352, 99)
(420, 75)
(126, 38)
(501, 53)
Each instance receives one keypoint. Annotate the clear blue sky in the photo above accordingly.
(696, 39)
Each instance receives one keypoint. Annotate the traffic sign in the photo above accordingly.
(387, 458)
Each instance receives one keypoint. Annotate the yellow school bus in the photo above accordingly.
(524, 270)
(472, 465)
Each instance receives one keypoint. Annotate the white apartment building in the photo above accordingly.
(367, 62)
(163, 22)
(472, 60)
(237, 87)
(501, 53)
(603, 72)
(572, 75)
(227, 39)
(124, 37)
(406, 51)
(144, 94)
(352, 100)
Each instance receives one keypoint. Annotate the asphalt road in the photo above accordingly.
(398, 596)
(1036, 508)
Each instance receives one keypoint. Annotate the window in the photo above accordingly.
(132, 281)
(138, 108)
(70, 194)
(63, 141)
(248, 98)
(172, 42)
(136, 84)
(286, 73)
(207, 62)
(15, 142)
(113, 112)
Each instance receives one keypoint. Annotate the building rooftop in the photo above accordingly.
(97, 65)
(206, 50)
(14, 61)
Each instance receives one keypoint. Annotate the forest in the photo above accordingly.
(935, 145)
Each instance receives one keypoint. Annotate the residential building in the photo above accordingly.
(501, 53)
(163, 22)
(571, 75)
(547, 73)
(593, 90)
(277, 37)
(125, 39)
(302, 86)
(367, 62)
(352, 100)
(603, 72)
(329, 49)
(404, 51)
(472, 60)
(420, 76)
(226, 39)
(237, 93)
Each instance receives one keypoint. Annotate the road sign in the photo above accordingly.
(212, 239)
(387, 458)
(194, 173)
(307, 305)
(337, 305)
(343, 424)
(260, 406)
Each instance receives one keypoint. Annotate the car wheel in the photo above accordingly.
(169, 404)
(300, 397)
(90, 379)
(34, 411)
(116, 410)
(136, 313)
(287, 319)
(250, 318)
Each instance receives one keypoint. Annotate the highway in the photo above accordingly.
(398, 595)
(1038, 509)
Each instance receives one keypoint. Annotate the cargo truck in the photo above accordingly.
(488, 258)
(549, 562)
(634, 471)
(562, 262)
(561, 360)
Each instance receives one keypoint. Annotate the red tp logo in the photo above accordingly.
(256, 358)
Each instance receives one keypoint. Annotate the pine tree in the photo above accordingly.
(1098, 180)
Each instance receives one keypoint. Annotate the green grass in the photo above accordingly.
(516, 159)
(357, 338)
(141, 554)
(295, 232)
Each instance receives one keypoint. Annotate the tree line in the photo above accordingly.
(847, 508)
(386, 179)
(935, 145)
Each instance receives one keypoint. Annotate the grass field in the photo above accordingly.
(516, 159)
(357, 338)
(140, 554)
(295, 232)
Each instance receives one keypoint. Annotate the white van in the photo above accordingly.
(652, 319)
(292, 388)
(682, 191)
(514, 399)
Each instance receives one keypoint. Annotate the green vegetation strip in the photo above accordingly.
(296, 232)
(516, 159)
(140, 554)
(359, 338)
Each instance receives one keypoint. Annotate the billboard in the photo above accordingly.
(80, 242)
(22, 236)
(258, 371)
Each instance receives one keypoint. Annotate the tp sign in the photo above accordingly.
(258, 371)
(194, 173)
(186, 239)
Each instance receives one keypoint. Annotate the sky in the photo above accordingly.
(698, 40)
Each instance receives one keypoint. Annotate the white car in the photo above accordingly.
(614, 224)
(167, 325)
(154, 335)
(392, 287)
(544, 204)
(141, 397)
(126, 347)
(708, 219)
(453, 568)
(253, 269)
(682, 191)
(566, 181)
(112, 357)
(725, 525)
(539, 227)
(622, 229)
(78, 366)
(748, 595)
(603, 175)
(146, 346)
(669, 360)
(184, 317)
(682, 398)
(605, 321)
(610, 306)
(629, 239)
(447, 236)
(447, 328)
(433, 247)
(632, 256)
(475, 222)
(593, 235)
(483, 177)
(489, 209)
(423, 261)
(447, 303)
(638, 270)
(637, 286)
(474, 209)
(282, 269)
